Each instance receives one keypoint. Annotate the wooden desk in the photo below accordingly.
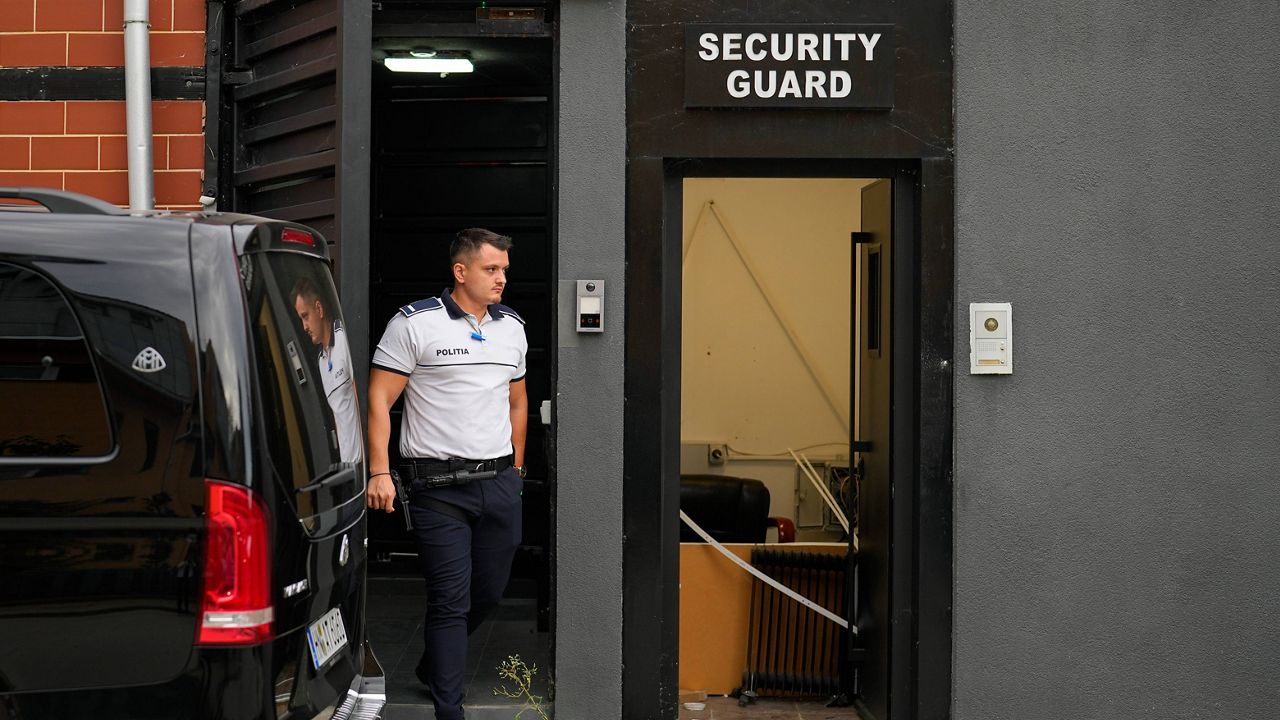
(715, 611)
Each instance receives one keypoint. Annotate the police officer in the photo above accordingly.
(461, 359)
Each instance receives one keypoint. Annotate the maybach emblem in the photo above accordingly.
(344, 551)
(149, 361)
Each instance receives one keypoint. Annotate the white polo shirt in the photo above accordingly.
(335, 375)
(458, 397)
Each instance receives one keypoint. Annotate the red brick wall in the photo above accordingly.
(80, 145)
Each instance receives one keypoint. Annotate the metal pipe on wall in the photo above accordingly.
(137, 93)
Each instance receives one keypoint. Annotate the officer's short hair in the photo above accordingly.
(307, 290)
(467, 243)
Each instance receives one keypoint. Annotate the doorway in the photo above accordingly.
(897, 608)
(779, 406)
(452, 150)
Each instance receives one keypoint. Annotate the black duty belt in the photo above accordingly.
(455, 471)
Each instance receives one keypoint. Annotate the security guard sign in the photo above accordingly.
(800, 66)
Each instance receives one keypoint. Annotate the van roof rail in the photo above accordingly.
(63, 202)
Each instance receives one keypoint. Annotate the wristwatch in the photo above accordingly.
(521, 471)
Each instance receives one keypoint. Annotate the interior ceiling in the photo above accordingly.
(503, 54)
(498, 61)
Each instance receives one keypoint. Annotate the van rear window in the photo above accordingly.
(53, 403)
(311, 415)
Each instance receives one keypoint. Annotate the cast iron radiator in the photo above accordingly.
(792, 650)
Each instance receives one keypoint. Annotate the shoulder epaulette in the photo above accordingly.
(414, 308)
(508, 312)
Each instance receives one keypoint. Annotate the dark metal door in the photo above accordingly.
(872, 364)
(287, 127)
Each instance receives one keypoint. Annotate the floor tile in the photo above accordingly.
(392, 631)
(395, 609)
(725, 708)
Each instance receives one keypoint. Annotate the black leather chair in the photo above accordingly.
(731, 509)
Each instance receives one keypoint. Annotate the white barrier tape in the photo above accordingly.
(768, 580)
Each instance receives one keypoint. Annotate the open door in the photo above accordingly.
(871, 445)
(287, 127)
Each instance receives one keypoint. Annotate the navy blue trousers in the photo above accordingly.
(466, 566)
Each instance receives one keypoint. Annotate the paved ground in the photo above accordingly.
(394, 616)
(722, 708)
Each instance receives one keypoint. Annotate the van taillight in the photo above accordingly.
(235, 605)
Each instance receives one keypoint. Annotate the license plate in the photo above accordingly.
(326, 637)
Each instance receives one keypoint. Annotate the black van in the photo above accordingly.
(182, 509)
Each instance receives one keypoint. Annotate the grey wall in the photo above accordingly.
(589, 411)
(1117, 511)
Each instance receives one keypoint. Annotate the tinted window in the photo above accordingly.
(53, 405)
(311, 417)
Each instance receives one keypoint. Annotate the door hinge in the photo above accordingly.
(237, 77)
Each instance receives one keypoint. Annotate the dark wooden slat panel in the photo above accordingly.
(244, 7)
(304, 212)
(327, 227)
(267, 131)
(295, 34)
(284, 156)
(274, 108)
(309, 142)
(291, 57)
(290, 168)
(310, 72)
(300, 191)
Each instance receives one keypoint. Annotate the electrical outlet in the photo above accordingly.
(717, 454)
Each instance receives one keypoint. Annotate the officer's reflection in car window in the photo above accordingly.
(325, 329)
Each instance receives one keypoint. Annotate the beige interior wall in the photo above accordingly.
(744, 384)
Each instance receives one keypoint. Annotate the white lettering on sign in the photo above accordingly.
(780, 53)
(805, 47)
(815, 84)
(808, 44)
(844, 39)
(768, 83)
(732, 46)
(841, 84)
(710, 51)
(789, 65)
(869, 44)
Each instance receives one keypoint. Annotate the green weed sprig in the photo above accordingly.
(515, 670)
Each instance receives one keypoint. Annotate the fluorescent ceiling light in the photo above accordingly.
(429, 65)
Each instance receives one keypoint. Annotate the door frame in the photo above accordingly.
(922, 348)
